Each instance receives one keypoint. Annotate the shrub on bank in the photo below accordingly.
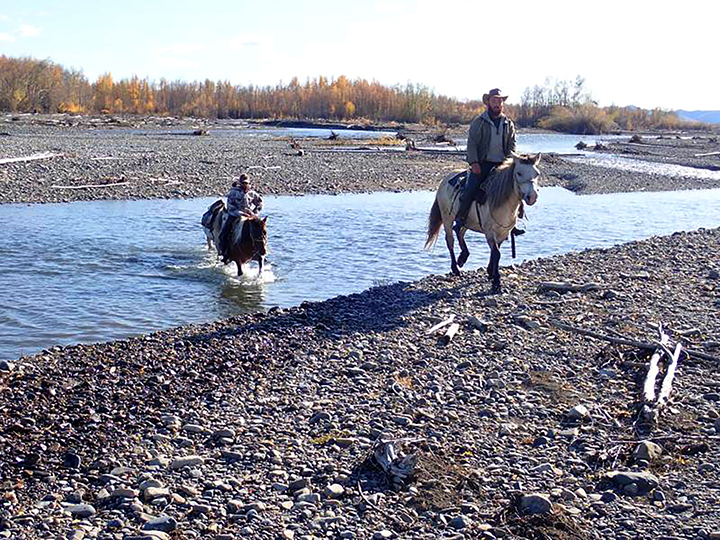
(583, 120)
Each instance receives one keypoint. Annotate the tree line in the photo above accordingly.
(42, 86)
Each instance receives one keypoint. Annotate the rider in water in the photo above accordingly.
(240, 200)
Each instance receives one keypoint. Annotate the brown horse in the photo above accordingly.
(248, 236)
(510, 184)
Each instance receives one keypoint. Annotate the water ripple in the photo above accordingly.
(95, 271)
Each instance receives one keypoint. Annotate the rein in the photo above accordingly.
(255, 241)
(492, 215)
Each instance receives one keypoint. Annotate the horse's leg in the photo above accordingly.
(495, 265)
(239, 265)
(464, 251)
(450, 241)
(261, 261)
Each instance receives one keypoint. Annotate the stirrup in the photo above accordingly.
(518, 232)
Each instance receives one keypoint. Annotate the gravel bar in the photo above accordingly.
(264, 426)
(95, 158)
(528, 423)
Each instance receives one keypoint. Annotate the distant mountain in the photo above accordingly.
(709, 117)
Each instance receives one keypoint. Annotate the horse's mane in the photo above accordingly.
(253, 217)
(500, 183)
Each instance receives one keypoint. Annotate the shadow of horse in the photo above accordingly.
(248, 235)
(507, 186)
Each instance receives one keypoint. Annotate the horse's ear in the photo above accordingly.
(537, 158)
(264, 220)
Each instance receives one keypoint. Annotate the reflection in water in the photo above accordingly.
(246, 293)
(95, 271)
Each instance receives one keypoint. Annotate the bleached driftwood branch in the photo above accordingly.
(397, 468)
(87, 186)
(654, 369)
(44, 155)
(450, 334)
(625, 341)
(442, 324)
(669, 377)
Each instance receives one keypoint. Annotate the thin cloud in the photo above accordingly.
(6, 37)
(390, 8)
(27, 30)
(179, 56)
(179, 49)
(244, 41)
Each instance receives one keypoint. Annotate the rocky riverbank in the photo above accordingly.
(94, 158)
(262, 426)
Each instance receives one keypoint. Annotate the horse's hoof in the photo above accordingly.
(495, 289)
(462, 259)
(456, 271)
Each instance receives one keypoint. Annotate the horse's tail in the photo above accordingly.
(434, 224)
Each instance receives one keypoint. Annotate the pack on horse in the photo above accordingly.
(507, 186)
(248, 237)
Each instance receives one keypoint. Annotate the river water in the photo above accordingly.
(103, 270)
(97, 271)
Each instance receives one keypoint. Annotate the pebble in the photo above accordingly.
(535, 503)
(475, 427)
(187, 461)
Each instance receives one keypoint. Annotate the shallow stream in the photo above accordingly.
(96, 271)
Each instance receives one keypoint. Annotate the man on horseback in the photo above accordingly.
(240, 200)
(491, 139)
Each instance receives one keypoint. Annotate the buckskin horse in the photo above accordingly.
(248, 236)
(507, 186)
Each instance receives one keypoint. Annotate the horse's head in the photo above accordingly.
(258, 235)
(526, 175)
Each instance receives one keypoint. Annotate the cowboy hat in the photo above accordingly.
(492, 93)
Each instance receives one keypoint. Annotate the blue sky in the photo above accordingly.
(649, 54)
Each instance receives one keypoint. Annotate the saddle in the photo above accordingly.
(211, 214)
(460, 179)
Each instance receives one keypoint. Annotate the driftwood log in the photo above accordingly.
(654, 369)
(450, 334)
(624, 341)
(397, 467)
(669, 377)
(44, 155)
(440, 325)
(87, 186)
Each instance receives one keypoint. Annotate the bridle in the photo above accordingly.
(519, 184)
(257, 243)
